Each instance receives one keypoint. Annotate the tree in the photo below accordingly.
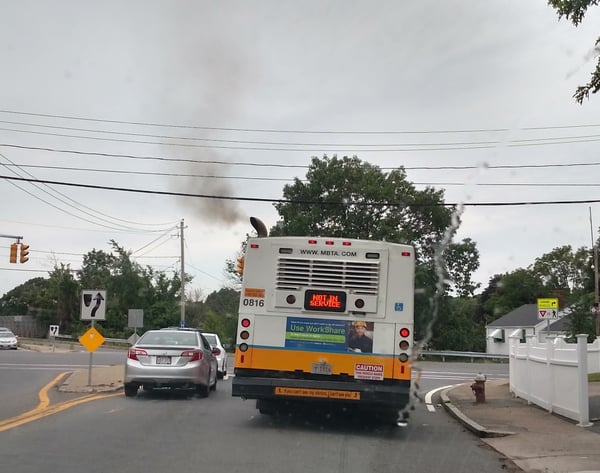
(64, 290)
(350, 198)
(455, 329)
(581, 321)
(354, 199)
(512, 290)
(29, 298)
(575, 11)
(564, 269)
(462, 261)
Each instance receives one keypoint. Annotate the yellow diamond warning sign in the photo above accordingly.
(91, 339)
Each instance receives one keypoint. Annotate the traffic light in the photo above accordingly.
(24, 253)
(240, 265)
(13, 253)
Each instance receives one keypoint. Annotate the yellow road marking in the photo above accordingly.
(43, 409)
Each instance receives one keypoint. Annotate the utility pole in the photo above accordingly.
(182, 303)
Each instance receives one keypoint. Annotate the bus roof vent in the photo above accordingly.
(361, 277)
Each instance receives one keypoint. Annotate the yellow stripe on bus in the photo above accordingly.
(290, 360)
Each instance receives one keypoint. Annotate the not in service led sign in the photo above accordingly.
(330, 301)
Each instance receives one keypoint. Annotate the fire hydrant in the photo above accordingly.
(478, 387)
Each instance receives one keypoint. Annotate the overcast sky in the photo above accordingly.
(485, 86)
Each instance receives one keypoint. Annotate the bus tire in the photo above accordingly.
(265, 406)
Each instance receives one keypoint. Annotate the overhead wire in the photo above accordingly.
(295, 166)
(266, 130)
(302, 202)
(65, 200)
(278, 179)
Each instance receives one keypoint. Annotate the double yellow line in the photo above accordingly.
(44, 409)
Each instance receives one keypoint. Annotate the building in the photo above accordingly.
(521, 322)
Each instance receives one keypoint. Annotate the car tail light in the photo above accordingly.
(133, 353)
(193, 355)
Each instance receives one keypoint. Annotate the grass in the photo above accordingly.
(594, 377)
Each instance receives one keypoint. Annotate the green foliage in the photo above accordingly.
(512, 290)
(455, 328)
(581, 320)
(350, 198)
(575, 11)
(30, 298)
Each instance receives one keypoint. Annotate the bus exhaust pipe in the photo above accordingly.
(260, 227)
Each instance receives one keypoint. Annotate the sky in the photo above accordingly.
(234, 98)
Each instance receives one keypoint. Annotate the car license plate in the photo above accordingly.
(320, 368)
(163, 360)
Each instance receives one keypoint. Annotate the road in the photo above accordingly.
(175, 432)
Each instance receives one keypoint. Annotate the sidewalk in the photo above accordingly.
(534, 439)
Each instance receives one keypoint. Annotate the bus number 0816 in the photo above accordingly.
(253, 302)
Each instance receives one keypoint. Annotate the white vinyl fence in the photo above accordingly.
(553, 374)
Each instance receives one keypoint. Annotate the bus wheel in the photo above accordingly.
(265, 406)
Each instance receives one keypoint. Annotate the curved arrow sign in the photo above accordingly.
(93, 304)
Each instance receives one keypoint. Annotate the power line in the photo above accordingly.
(264, 130)
(96, 214)
(293, 166)
(357, 148)
(304, 202)
(278, 179)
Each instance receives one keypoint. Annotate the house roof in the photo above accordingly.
(560, 325)
(524, 316)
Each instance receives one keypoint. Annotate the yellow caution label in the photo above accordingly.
(320, 393)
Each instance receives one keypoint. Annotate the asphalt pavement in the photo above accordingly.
(534, 439)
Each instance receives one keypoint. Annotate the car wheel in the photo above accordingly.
(214, 386)
(131, 389)
(202, 390)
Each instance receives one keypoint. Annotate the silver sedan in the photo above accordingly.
(173, 358)
(8, 340)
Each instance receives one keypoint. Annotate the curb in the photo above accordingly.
(469, 423)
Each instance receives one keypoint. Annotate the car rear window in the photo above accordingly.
(169, 338)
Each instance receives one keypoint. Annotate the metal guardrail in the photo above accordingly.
(425, 353)
(463, 354)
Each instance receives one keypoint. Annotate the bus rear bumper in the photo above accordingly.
(389, 394)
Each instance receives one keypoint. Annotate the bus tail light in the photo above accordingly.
(243, 347)
(404, 344)
(244, 334)
(403, 357)
(245, 323)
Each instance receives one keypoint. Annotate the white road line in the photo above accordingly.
(429, 395)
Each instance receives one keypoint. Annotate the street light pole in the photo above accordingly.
(182, 302)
